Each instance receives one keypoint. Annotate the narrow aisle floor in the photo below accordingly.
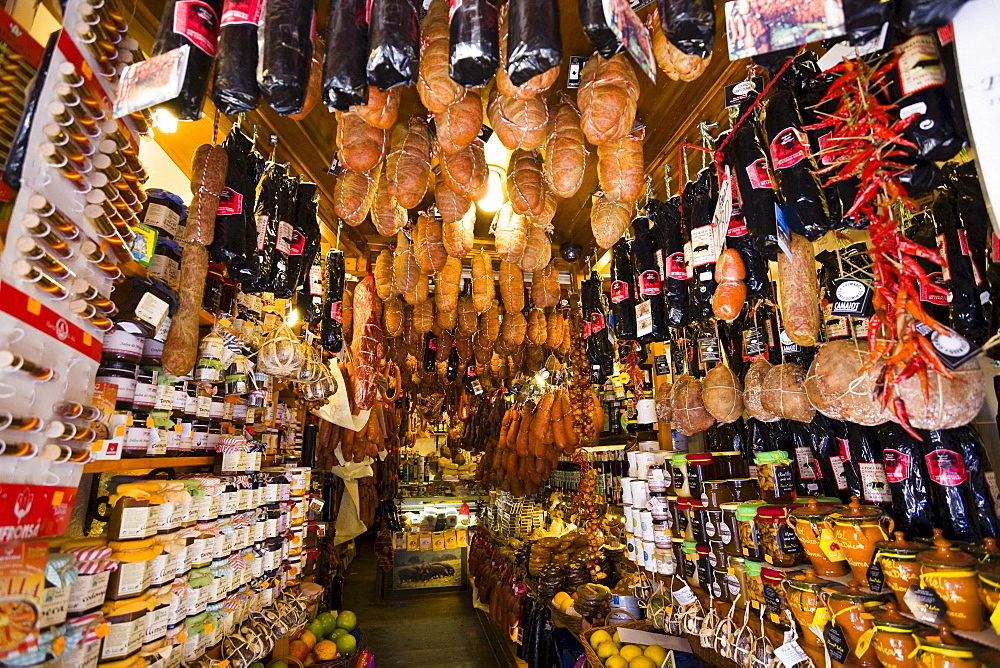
(424, 631)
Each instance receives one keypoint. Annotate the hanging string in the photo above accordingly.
(340, 225)
(215, 127)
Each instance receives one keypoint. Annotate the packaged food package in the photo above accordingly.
(345, 78)
(393, 43)
(286, 49)
(234, 88)
(195, 25)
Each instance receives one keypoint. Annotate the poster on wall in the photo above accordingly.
(754, 27)
(427, 570)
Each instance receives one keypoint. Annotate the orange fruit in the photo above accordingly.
(325, 650)
(309, 638)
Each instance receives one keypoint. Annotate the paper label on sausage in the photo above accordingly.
(946, 467)
(337, 311)
(919, 64)
(261, 220)
(675, 267)
(703, 249)
(874, 482)
(242, 11)
(230, 203)
(788, 148)
(839, 476)
(619, 291)
(649, 283)
(283, 243)
(198, 22)
(758, 174)
(897, 465)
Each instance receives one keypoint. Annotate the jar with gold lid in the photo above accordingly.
(952, 574)
(750, 539)
(775, 477)
(730, 464)
(690, 550)
(780, 545)
(679, 466)
(895, 638)
(900, 569)
(744, 489)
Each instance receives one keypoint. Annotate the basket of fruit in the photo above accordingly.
(604, 648)
(330, 640)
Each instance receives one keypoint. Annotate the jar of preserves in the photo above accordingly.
(735, 579)
(750, 539)
(775, 604)
(952, 574)
(774, 476)
(939, 648)
(728, 530)
(696, 519)
(989, 586)
(720, 585)
(803, 598)
(895, 639)
(781, 547)
(716, 493)
(683, 524)
(753, 587)
(678, 464)
(744, 489)
(705, 570)
(729, 465)
(808, 523)
(900, 569)
(699, 470)
(690, 550)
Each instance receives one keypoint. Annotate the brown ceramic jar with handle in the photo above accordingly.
(856, 529)
(952, 574)
(900, 568)
(989, 586)
(850, 607)
(895, 638)
(804, 591)
(939, 648)
(808, 523)
(987, 553)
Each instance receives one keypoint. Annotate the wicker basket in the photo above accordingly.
(572, 622)
(638, 624)
(351, 659)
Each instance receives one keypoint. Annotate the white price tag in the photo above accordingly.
(790, 654)
(684, 596)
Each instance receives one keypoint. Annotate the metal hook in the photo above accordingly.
(666, 177)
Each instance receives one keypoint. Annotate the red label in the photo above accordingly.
(337, 311)
(34, 511)
(946, 34)
(619, 291)
(230, 203)
(897, 465)
(586, 329)
(759, 176)
(36, 314)
(197, 21)
(596, 322)
(649, 283)
(472, 371)
(242, 11)
(788, 148)
(298, 244)
(675, 267)
(946, 467)
(926, 295)
(963, 243)
(845, 449)
(737, 225)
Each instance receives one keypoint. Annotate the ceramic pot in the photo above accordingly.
(952, 574)
(989, 586)
(857, 529)
(803, 595)
(900, 568)
(808, 524)
(941, 649)
(850, 607)
(895, 638)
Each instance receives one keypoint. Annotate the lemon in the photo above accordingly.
(656, 653)
(642, 662)
(629, 652)
(558, 599)
(615, 661)
(606, 649)
(599, 638)
(617, 638)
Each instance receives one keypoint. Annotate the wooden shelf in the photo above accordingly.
(145, 464)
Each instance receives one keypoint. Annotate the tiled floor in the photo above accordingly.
(425, 631)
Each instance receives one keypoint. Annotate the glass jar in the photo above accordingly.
(713, 518)
(750, 538)
(735, 579)
(952, 574)
(696, 518)
(895, 639)
(774, 476)
(753, 587)
(900, 568)
(699, 469)
(781, 547)
(729, 465)
(677, 547)
(720, 585)
(716, 555)
(705, 569)
(729, 531)
(680, 474)
(683, 524)
(716, 493)
(809, 524)
(656, 480)
(690, 549)
(744, 489)
(775, 603)
(803, 598)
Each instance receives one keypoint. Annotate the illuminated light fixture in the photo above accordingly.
(495, 196)
(293, 318)
(497, 157)
(164, 121)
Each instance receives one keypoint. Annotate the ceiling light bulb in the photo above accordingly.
(494, 194)
(165, 121)
(496, 153)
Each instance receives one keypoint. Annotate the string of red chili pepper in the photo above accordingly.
(864, 140)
